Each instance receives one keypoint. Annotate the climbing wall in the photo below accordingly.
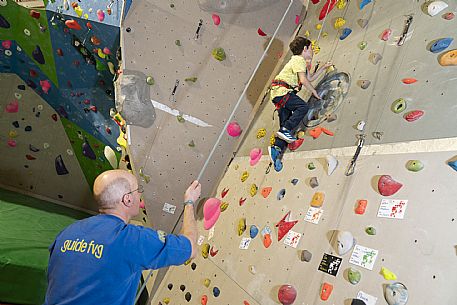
(160, 41)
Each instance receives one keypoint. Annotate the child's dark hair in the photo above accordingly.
(298, 45)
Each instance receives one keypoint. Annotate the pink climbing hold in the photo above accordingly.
(261, 33)
(287, 294)
(211, 212)
(100, 15)
(413, 115)
(12, 107)
(449, 16)
(142, 206)
(45, 86)
(11, 143)
(216, 19)
(387, 186)
(386, 34)
(106, 51)
(297, 19)
(6, 44)
(234, 129)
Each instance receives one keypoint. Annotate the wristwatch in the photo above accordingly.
(188, 202)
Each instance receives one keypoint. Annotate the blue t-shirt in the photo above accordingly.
(99, 260)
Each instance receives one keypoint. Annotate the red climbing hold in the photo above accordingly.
(409, 81)
(93, 108)
(284, 226)
(315, 1)
(328, 7)
(33, 73)
(287, 294)
(30, 157)
(54, 117)
(35, 14)
(295, 144)
(73, 24)
(224, 192)
(89, 25)
(213, 251)
(413, 115)
(242, 201)
(387, 186)
(260, 32)
(95, 40)
(59, 52)
(108, 130)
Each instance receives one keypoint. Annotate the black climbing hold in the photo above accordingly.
(170, 286)
(38, 55)
(60, 196)
(33, 148)
(28, 128)
(193, 266)
(128, 30)
(4, 23)
(21, 87)
(182, 287)
(38, 114)
(16, 124)
(281, 194)
(216, 292)
(294, 181)
(31, 84)
(60, 166)
(188, 296)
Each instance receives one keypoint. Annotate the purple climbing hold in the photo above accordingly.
(31, 84)
(62, 112)
(4, 23)
(38, 55)
(60, 166)
(88, 151)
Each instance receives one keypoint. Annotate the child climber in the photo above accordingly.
(291, 108)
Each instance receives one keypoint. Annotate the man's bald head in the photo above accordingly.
(110, 187)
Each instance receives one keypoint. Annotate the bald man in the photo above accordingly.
(99, 260)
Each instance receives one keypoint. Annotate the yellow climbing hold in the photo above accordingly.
(341, 4)
(224, 206)
(205, 250)
(244, 176)
(388, 275)
(261, 133)
(86, 16)
(301, 134)
(166, 300)
(325, 34)
(121, 140)
(339, 23)
(241, 226)
(315, 46)
(318, 26)
(306, 33)
(79, 11)
(100, 53)
(272, 139)
(12, 134)
(187, 262)
(253, 190)
(207, 282)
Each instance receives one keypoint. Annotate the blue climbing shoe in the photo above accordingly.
(285, 135)
(278, 165)
(274, 152)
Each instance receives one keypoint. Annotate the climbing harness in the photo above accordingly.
(351, 166)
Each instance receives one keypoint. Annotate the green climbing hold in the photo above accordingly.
(399, 105)
(191, 79)
(192, 143)
(150, 80)
(178, 42)
(218, 54)
(414, 165)
(354, 276)
(180, 118)
(99, 66)
(311, 166)
(362, 45)
(370, 231)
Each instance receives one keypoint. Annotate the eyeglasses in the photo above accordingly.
(140, 190)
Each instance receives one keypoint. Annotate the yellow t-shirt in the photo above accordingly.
(289, 75)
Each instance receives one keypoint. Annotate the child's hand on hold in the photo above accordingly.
(328, 64)
(316, 95)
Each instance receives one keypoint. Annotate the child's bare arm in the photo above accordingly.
(313, 76)
(305, 82)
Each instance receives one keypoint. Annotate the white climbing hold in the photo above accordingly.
(361, 125)
(436, 7)
(332, 163)
(345, 242)
(110, 156)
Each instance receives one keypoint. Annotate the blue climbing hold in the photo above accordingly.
(346, 32)
(253, 231)
(453, 164)
(216, 292)
(364, 3)
(441, 45)
(60, 166)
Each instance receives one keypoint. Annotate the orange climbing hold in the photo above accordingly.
(316, 132)
(409, 81)
(326, 291)
(73, 24)
(266, 191)
(267, 240)
(449, 58)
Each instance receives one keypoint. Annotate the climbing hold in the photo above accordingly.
(244, 176)
(28, 128)
(242, 201)
(287, 293)
(6, 44)
(205, 250)
(59, 52)
(441, 45)
(409, 81)
(398, 106)
(266, 191)
(449, 16)
(449, 58)
(385, 35)
(100, 15)
(216, 292)
(332, 163)
(327, 8)
(435, 7)
(253, 190)
(294, 181)
(73, 24)
(341, 4)
(11, 143)
(346, 32)
(318, 26)
(170, 286)
(60, 166)
(387, 186)
(12, 134)
(95, 40)
(166, 300)
(370, 230)
(204, 299)
(360, 125)
(295, 144)
(111, 68)
(364, 3)
(316, 132)
(311, 166)
(191, 143)
(313, 182)
(224, 192)
(354, 276)
(252, 269)
(33, 148)
(261, 133)
(218, 54)
(4, 23)
(318, 200)
(414, 165)
(362, 45)
(261, 33)
(100, 53)
(224, 206)
(345, 242)
(255, 155)
(241, 226)
(188, 296)
(413, 115)
(396, 294)
(211, 212)
(361, 206)
(453, 164)
(216, 19)
(178, 42)
(364, 84)
(207, 282)
(266, 238)
(150, 80)
(16, 124)
(253, 231)
(284, 226)
(305, 256)
(375, 58)
(38, 55)
(281, 194)
(110, 156)
(45, 86)
(45, 145)
(100, 66)
(12, 107)
(234, 129)
(78, 11)
(387, 274)
(180, 118)
(182, 288)
(326, 291)
(54, 117)
(362, 23)
(339, 23)
(87, 150)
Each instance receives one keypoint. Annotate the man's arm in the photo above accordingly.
(305, 82)
(189, 227)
